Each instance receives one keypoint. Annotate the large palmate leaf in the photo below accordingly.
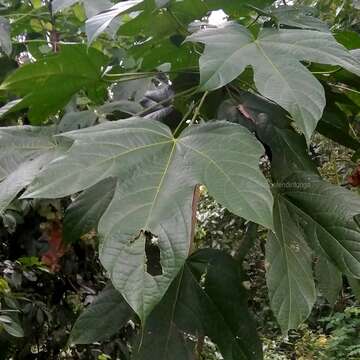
(289, 275)
(206, 296)
(106, 315)
(328, 214)
(153, 199)
(275, 56)
(24, 152)
(48, 84)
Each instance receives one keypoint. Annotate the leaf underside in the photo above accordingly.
(153, 199)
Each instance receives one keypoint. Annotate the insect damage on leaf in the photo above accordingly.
(152, 251)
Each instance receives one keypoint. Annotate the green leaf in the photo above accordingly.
(92, 7)
(274, 56)
(327, 213)
(355, 286)
(206, 296)
(13, 328)
(289, 274)
(106, 315)
(5, 38)
(302, 17)
(287, 147)
(335, 125)
(164, 35)
(84, 213)
(158, 174)
(24, 152)
(329, 279)
(10, 106)
(99, 23)
(121, 106)
(56, 78)
(77, 120)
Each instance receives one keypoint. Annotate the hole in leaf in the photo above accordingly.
(152, 251)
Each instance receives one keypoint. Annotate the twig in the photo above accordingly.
(197, 110)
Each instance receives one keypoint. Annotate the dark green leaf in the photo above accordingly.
(24, 152)
(77, 120)
(335, 126)
(289, 275)
(206, 296)
(327, 214)
(84, 213)
(108, 313)
(329, 279)
(287, 147)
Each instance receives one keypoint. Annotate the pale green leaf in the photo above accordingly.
(5, 38)
(24, 152)
(275, 56)
(20, 143)
(92, 7)
(157, 174)
(99, 23)
(77, 120)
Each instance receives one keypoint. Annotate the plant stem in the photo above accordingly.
(342, 87)
(149, 73)
(183, 119)
(247, 241)
(198, 108)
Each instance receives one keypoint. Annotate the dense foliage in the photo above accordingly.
(118, 116)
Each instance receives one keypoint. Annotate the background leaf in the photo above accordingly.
(274, 56)
(84, 213)
(106, 315)
(57, 78)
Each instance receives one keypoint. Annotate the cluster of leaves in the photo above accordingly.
(114, 105)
